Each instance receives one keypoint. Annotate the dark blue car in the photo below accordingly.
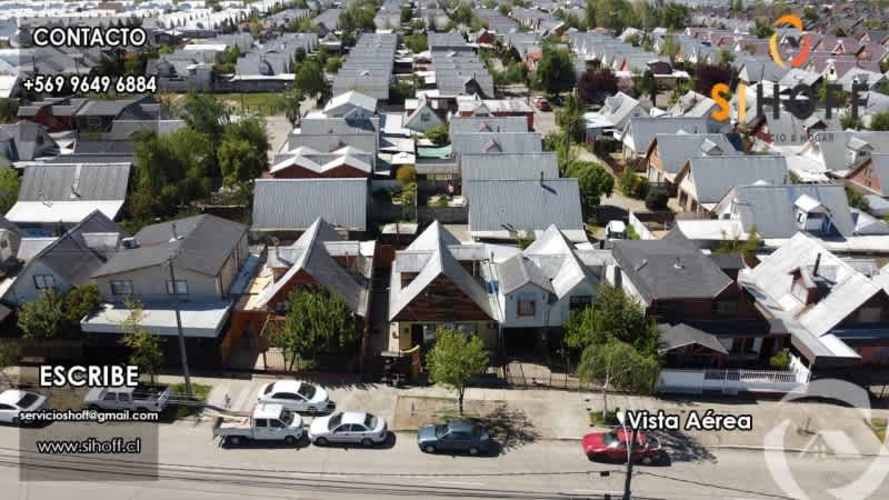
(455, 436)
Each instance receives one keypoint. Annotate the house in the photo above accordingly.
(291, 206)
(487, 124)
(100, 115)
(695, 105)
(541, 286)
(834, 313)
(56, 194)
(872, 175)
(703, 181)
(669, 152)
(26, 141)
(351, 104)
(513, 166)
(496, 143)
(613, 116)
(320, 257)
(778, 211)
(473, 105)
(839, 152)
(54, 114)
(430, 287)
(57, 262)
(306, 163)
(638, 133)
(677, 284)
(423, 117)
(513, 209)
(183, 272)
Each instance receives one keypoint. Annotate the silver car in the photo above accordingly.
(348, 427)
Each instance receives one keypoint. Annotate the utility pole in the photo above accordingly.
(622, 418)
(182, 353)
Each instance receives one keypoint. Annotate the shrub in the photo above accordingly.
(633, 185)
(780, 360)
(656, 199)
(406, 174)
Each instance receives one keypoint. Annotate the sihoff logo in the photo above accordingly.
(800, 100)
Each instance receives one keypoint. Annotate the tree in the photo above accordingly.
(762, 28)
(596, 83)
(880, 121)
(80, 302)
(9, 109)
(406, 174)
(316, 321)
(333, 64)
(594, 182)
(146, 350)
(618, 365)
(633, 185)
(612, 315)
(455, 359)
(856, 199)
(243, 154)
(9, 188)
(676, 16)
(416, 42)
(207, 115)
(670, 48)
(43, 318)
(555, 71)
(747, 248)
(438, 135)
(9, 356)
(291, 101)
(847, 122)
(570, 119)
(309, 79)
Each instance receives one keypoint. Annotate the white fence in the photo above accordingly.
(732, 381)
(641, 230)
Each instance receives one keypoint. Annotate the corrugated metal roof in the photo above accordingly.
(509, 166)
(294, 204)
(523, 205)
(75, 182)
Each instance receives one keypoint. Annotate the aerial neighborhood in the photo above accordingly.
(452, 193)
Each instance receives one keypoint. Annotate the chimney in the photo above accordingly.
(541, 177)
(817, 264)
(175, 234)
(678, 264)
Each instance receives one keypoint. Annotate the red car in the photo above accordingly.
(611, 446)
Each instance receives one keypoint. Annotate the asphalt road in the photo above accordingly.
(193, 467)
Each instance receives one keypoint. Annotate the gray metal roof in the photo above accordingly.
(664, 270)
(771, 207)
(70, 257)
(518, 271)
(515, 166)
(497, 142)
(477, 124)
(681, 335)
(676, 148)
(641, 131)
(294, 204)
(75, 182)
(201, 243)
(714, 176)
(516, 205)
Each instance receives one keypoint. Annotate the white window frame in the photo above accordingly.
(117, 284)
(44, 281)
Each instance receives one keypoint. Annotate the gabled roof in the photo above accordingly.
(669, 270)
(711, 177)
(675, 149)
(496, 142)
(523, 205)
(879, 164)
(202, 243)
(309, 254)
(682, 335)
(529, 166)
(294, 204)
(640, 131)
(75, 182)
(430, 255)
(558, 261)
(351, 98)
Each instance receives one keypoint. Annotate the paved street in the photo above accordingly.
(195, 468)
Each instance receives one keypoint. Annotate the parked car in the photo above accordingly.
(611, 446)
(542, 104)
(144, 397)
(348, 427)
(269, 422)
(455, 436)
(295, 395)
(13, 402)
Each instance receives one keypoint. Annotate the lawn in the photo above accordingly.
(268, 103)
(199, 392)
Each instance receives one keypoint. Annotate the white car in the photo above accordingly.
(13, 402)
(348, 427)
(295, 395)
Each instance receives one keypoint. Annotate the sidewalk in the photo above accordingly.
(563, 415)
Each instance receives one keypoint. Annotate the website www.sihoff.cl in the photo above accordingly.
(91, 445)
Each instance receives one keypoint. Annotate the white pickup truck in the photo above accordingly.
(269, 422)
(143, 397)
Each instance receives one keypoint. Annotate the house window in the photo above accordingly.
(44, 281)
(121, 287)
(424, 117)
(180, 287)
(525, 307)
(579, 301)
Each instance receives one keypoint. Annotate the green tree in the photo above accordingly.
(747, 248)
(44, 317)
(594, 182)
(317, 321)
(670, 48)
(9, 109)
(612, 315)
(146, 351)
(207, 115)
(880, 121)
(618, 365)
(291, 102)
(80, 302)
(243, 154)
(555, 71)
(406, 174)
(849, 122)
(633, 185)
(438, 135)
(856, 199)
(570, 119)
(455, 359)
(762, 28)
(9, 188)
(309, 79)
(416, 42)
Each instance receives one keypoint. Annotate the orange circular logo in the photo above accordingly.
(805, 49)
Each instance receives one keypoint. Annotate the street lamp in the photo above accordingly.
(622, 418)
